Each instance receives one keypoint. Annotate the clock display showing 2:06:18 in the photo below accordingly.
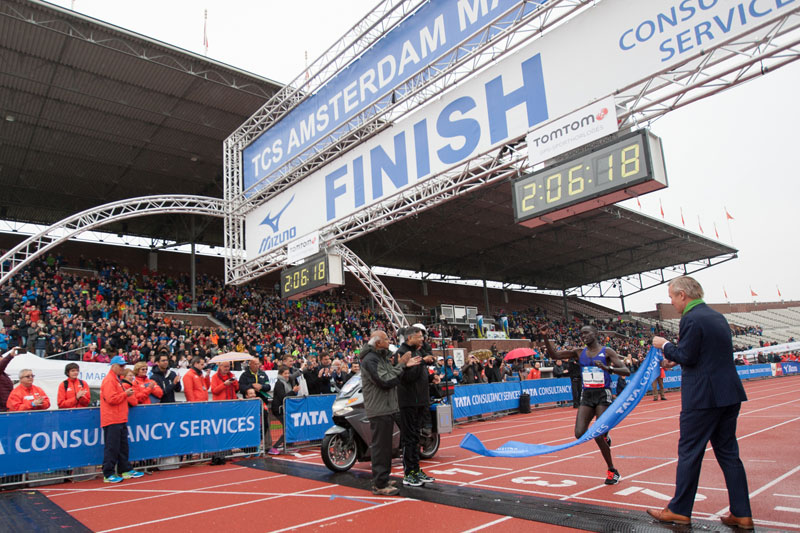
(585, 176)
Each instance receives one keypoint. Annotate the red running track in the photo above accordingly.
(644, 449)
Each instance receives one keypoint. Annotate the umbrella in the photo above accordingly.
(481, 354)
(229, 357)
(517, 353)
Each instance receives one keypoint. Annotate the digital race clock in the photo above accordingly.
(628, 166)
(316, 274)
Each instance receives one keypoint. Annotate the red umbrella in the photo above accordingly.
(517, 353)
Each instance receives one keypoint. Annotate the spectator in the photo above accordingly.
(90, 356)
(147, 390)
(223, 384)
(282, 390)
(535, 372)
(450, 372)
(6, 385)
(195, 383)
(253, 378)
(114, 421)
(73, 392)
(27, 396)
(167, 380)
(471, 372)
(492, 371)
(380, 378)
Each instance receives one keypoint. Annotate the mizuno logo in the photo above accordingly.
(273, 222)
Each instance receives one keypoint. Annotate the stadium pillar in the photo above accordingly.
(486, 298)
(192, 272)
(621, 296)
(564, 301)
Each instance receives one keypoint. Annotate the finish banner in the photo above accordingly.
(638, 385)
(43, 441)
(307, 418)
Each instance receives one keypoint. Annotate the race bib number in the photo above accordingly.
(593, 378)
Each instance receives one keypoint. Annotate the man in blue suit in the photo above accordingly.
(711, 396)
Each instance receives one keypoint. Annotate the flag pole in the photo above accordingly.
(205, 32)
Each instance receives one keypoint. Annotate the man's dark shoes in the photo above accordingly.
(742, 522)
(667, 516)
(423, 477)
(411, 480)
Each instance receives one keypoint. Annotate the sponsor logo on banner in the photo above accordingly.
(303, 247)
(420, 40)
(583, 126)
(307, 418)
(276, 236)
(754, 371)
(42, 441)
(790, 368)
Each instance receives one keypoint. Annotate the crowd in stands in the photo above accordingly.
(104, 310)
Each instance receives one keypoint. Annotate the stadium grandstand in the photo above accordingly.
(93, 115)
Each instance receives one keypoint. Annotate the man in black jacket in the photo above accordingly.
(413, 397)
(253, 378)
(168, 380)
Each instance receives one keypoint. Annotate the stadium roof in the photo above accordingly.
(475, 237)
(91, 113)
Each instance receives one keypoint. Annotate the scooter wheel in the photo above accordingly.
(339, 452)
(429, 446)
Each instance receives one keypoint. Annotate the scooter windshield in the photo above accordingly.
(352, 385)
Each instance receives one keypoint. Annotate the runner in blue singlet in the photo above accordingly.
(596, 396)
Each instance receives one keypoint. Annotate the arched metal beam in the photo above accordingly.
(35, 245)
(374, 285)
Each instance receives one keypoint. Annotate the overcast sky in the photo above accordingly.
(737, 150)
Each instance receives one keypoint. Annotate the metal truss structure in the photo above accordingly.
(630, 285)
(35, 245)
(374, 285)
(706, 72)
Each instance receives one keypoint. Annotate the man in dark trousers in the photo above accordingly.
(379, 378)
(711, 397)
(414, 399)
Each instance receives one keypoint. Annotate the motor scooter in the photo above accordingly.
(348, 440)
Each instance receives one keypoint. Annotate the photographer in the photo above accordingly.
(492, 371)
(319, 377)
(223, 384)
(471, 372)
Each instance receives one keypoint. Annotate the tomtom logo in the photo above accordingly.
(278, 236)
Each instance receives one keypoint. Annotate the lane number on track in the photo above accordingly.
(536, 480)
(454, 471)
(649, 492)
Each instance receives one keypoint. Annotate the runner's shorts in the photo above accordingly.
(595, 397)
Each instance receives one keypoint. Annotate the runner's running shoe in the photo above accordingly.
(131, 474)
(113, 478)
(612, 477)
(422, 476)
(412, 480)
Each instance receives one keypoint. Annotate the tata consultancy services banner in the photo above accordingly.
(548, 390)
(43, 441)
(307, 418)
(471, 400)
(754, 371)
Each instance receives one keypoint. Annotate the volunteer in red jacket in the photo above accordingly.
(114, 421)
(73, 392)
(224, 384)
(145, 387)
(195, 384)
(27, 396)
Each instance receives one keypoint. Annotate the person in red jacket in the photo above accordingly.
(145, 387)
(195, 384)
(73, 392)
(114, 421)
(129, 382)
(224, 384)
(27, 396)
